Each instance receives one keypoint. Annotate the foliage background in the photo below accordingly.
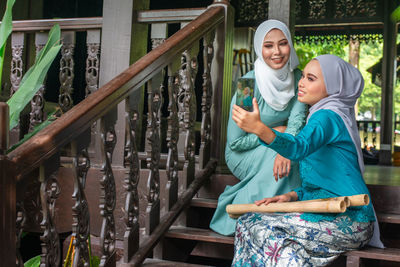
(370, 54)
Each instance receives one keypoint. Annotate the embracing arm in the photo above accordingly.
(297, 118)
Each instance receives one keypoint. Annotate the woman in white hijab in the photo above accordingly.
(261, 171)
(331, 164)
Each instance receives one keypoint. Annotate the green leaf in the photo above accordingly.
(33, 79)
(35, 130)
(395, 16)
(5, 31)
(95, 261)
(34, 262)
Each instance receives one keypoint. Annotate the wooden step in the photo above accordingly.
(204, 203)
(205, 243)
(197, 234)
(386, 254)
(388, 218)
(165, 263)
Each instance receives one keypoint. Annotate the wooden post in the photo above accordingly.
(283, 10)
(139, 38)
(221, 78)
(115, 58)
(388, 80)
(7, 195)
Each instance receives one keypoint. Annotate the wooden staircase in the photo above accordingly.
(196, 243)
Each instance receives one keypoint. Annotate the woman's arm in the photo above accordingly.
(324, 127)
(251, 122)
(297, 118)
(296, 121)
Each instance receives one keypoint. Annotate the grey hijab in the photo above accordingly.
(344, 84)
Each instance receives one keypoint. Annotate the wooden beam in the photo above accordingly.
(388, 80)
(7, 195)
(114, 59)
(221, 77)
(283, 10)
(169, 15)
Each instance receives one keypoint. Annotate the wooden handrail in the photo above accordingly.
(71, 124)
(78, 24)
(169, 15)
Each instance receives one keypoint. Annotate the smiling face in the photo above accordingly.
(311, 85)
(276, 49)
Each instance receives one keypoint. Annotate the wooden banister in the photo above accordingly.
(77, 24)
(71, 124)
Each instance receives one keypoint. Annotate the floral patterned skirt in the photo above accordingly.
(284, 239)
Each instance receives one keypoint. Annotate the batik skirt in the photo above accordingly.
(284, 239)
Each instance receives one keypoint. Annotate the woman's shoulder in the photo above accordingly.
(327, 117)
(249, 75)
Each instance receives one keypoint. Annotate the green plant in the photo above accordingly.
(34, 262)
(34, 77)
(5, 31)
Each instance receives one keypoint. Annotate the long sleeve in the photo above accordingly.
(321, 129)
(296, 118)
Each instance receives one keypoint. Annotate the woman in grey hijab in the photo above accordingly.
(330, 166)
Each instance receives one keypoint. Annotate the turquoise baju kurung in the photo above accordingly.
(328, 163)
(253, 163)
(329, 168)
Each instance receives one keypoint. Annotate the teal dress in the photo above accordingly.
(328, 164)
(252, 163)
(328, 168)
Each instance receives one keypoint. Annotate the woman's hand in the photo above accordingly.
(267, 200)
(247, 121)
(291, 196)
(281, 167)
(250, 122)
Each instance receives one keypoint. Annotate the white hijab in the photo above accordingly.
(344, 84)
(275, 86)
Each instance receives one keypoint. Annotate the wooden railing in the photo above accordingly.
(68, 139)
(21, 58)
(370, 133)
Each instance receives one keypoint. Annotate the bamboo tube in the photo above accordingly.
(351, 201)
(359, 200)
(345, 199)
(329, 206)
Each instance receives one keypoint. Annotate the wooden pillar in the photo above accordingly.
(221, 76)
(7, 195)
(283, 10)
(139, 38)
(115, 57)
(354, 58)
(388, 80)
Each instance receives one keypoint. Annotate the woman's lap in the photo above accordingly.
(287, 240)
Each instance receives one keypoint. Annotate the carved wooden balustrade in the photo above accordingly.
(369, 133)
(21, 58)
(68, 139)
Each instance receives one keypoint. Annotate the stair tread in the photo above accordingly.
(388, 217)
(204, 203)
(198, 234)
(157, 262)
(388, 254)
